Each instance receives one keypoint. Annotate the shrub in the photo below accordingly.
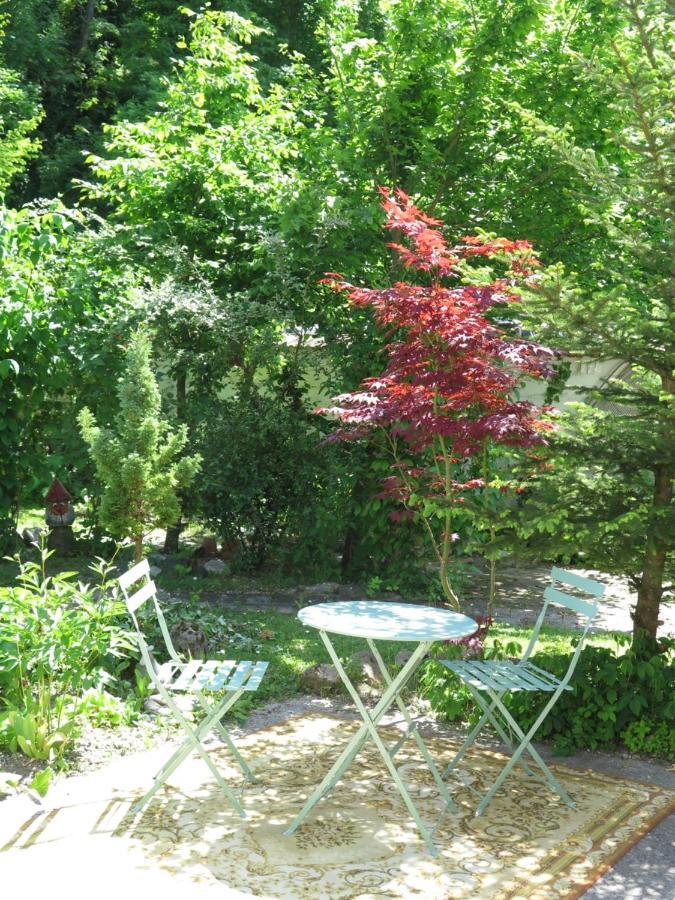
(267, 485)
(618, 695)
(139, 461)
(58, 639)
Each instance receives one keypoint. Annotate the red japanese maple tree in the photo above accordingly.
(448, 387)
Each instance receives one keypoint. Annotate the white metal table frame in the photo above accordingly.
(373, 620)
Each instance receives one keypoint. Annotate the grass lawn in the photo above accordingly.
(291, 648)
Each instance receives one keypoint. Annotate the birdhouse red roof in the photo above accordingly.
(57, 493)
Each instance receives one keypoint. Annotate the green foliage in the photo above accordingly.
(617, 696)
(621, 305)
(59, 290)
(58, 638)
(20, 114)
(138, 461)
(267, 485)
(590, 495)
(234, 172)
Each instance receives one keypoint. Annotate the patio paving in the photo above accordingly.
(96, 865)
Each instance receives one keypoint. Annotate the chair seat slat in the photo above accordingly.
(536, 681)
(205, 674)
(503, 676)
(542, 672)
(240, 675)
(256, 677)
(186, 675)
(220, 675)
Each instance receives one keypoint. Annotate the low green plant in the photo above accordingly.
(103, 710)
(59, 638)
(619, 694)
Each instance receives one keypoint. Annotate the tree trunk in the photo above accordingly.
(646, 618)
(138, 548)
(172, 539)
(86, 25)
(173, 533)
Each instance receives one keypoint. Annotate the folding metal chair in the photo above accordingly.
(193, 677)
(488, 680)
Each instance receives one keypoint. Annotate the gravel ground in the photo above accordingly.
(93, 749)
(96, 747)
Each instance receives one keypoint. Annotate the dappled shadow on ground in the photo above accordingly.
(520, 592)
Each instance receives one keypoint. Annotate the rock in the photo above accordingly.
(31, 536)
(402, 657)
(365, 664)
(155, 707)
(155, 571)
(320, 678)
(214, 567)
(325, 589)
(189, 638)
(206, 551)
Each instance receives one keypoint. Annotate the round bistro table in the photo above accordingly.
(374, 621)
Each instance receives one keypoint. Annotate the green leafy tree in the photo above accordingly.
(138, 461)
(617, 486)
(20, 114)
(61, 291)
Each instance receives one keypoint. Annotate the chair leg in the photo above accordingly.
(193, 742)
(489, 712)
(224, 734)
(525, 744)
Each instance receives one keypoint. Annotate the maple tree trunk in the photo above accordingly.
(138, 548)
(493, 587)
(646, 618)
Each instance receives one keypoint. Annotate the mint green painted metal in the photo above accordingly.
(373, 621)
(195, 677)
(489, 680)
(378, 621)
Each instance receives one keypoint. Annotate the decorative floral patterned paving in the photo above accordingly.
(360, 842)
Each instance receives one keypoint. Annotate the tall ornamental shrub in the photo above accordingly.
(453, 366)
(138, 461)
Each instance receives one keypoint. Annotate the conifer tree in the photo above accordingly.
(138, 461)
(616, 491)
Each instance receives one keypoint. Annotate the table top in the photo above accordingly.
(387, 621)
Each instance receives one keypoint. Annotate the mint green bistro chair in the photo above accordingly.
(197, 677)
(489, 680)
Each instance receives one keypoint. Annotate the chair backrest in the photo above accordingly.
(136, 598)
(139, 572)
(587, 608)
